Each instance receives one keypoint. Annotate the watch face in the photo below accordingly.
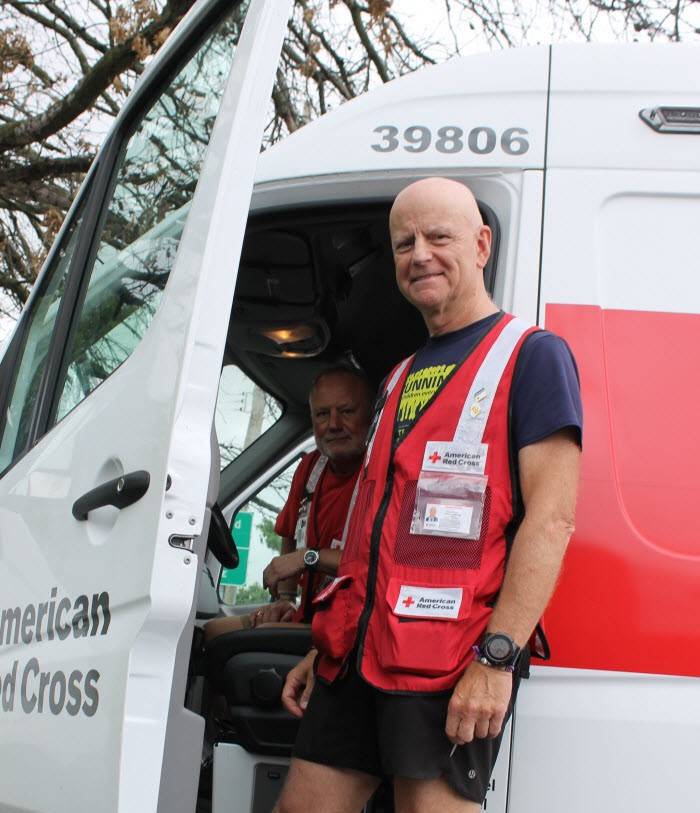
(499, 648)
(311, 557)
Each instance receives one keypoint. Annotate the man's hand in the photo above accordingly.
(273, 613)
(478, 704)
(281, 568)
(298, 685)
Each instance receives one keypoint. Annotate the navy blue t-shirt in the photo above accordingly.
(546, 395)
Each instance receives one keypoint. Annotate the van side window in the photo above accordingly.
(156, 176)
(243, 413)
(31, 362)
(254, 534)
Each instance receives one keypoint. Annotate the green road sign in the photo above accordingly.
(241, 532)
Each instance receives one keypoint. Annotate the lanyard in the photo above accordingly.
(301, 532)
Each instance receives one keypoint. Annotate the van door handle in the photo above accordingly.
(120, 492)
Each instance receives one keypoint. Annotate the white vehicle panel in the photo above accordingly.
(597, 92)
(592, 740)
(638, 246)
(504, 93)
(521, 280)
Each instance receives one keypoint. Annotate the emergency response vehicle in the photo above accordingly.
(115, 476)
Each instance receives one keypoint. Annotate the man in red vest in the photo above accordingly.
(312, 519)
(311, 522)
(455, 538)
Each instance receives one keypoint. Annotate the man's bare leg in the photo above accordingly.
(227, 623)
(321, 789)
(429, 796)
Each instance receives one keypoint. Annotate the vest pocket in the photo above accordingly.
(426, 627)
(433, 551)
(334, 623)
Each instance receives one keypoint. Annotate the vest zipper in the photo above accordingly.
(374, 563)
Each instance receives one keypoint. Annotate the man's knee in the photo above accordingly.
(320, 788)
(423, 795)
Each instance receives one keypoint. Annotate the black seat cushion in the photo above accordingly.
(277, 640)
(249, 668)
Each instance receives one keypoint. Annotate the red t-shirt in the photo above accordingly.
(329, 508)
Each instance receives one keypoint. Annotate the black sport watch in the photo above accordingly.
(311, 558)
(498, 650)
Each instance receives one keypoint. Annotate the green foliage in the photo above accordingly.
(252, 594)
(270, 538)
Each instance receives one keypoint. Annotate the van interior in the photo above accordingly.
(315, 287)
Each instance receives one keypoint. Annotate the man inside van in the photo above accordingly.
(311, 522)
(463, 514)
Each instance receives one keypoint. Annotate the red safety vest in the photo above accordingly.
(302, 510)
(387, 573)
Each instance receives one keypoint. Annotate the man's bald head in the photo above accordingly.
(438, 193)
(441, 246)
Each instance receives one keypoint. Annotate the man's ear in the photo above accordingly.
(483, 246)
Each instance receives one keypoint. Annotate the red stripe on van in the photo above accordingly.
(629, 594)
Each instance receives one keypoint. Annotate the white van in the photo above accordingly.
(586, 163)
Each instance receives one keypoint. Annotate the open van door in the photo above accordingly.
(108, 392)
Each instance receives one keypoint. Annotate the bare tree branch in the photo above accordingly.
(41, 167)
(411, 45)
(284, 109)
(114, 62)
(379, 64)
(70, 23)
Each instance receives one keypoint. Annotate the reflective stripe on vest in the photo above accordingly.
(479, 400)
(301, 532)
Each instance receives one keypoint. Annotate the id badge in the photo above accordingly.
(302, 522)
(451, 491)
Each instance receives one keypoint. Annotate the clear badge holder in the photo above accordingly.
(302, 522)
(449, 504)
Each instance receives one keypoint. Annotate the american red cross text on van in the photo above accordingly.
(52, 618)
(28, 688)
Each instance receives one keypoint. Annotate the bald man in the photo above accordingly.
(462, 516)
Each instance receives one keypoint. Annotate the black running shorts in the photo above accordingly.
(350, 724)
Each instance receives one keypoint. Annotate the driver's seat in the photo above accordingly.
(248, 667)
